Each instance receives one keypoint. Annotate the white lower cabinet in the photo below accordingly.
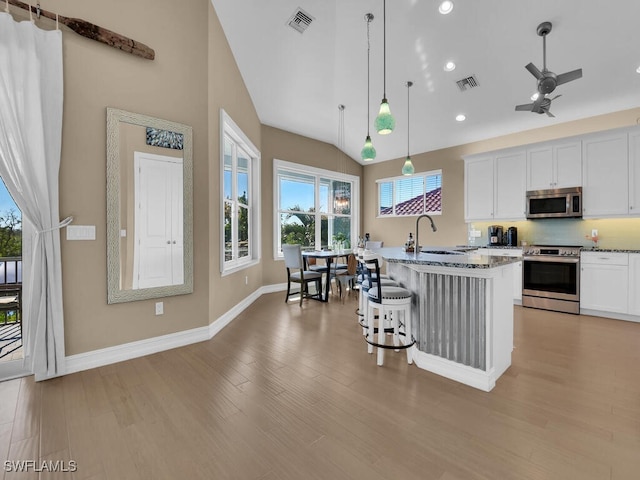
(634, 284)
(517, 267)
(604, 281)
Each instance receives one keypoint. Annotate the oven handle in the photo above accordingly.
(551, 258)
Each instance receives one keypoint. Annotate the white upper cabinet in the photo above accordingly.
(606, 165)
(634, 173)
(478, 189)
(510, 185)
(554, 166)
(605, 171)
(495, 186)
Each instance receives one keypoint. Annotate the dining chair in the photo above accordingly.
(345, 276)
(297, 274)
(373, 244)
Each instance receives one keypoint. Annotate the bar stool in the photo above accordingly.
(393, 304)
(364, 284)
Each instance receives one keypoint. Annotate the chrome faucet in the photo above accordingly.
(433, 227)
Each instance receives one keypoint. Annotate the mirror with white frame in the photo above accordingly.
(149, 207)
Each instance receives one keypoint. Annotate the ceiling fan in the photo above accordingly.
(541, 105)
(547, 80)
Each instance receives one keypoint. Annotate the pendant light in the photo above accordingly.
(385, 123)
(407, 168)
(341, 199)
(368, 153)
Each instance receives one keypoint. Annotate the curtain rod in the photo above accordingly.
(93, 32)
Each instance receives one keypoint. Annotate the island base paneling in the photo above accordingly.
(462, 320)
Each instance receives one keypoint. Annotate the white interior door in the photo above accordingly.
(158, 185)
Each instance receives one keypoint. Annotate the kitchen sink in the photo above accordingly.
(442, 252)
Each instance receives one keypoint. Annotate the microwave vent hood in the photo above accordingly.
(555, 203)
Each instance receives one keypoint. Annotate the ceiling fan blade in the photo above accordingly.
(557, 96)
(524, 108)
(546, 110)
(569, 76)
(534, 71)
(538, 102)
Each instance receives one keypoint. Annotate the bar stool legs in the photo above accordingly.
(394, 319)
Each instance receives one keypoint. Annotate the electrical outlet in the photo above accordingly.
(159, 308)
(594, 232)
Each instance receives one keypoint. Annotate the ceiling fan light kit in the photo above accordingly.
(547, 80)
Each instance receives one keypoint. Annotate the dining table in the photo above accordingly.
(329, 256)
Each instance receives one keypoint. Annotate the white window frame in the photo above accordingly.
(318, 173)
(230, 129)
(393, 181)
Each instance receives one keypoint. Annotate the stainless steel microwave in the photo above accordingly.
(555, 203)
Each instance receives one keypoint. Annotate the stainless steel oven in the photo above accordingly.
(551, 278)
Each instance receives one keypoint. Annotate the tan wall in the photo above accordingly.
(451, 226)
(179, 86)
(228, 91)
(282, 145)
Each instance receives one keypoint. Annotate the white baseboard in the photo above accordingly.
(473, 377)
(616, 316)
(128, 351)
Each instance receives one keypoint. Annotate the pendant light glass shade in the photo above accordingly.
(368, 151)
(407, 168)
(385, 123)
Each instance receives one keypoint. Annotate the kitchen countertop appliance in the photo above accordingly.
(551, 277)
(512, 237)
(495, 235)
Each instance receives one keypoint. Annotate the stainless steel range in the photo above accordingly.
(551, 277)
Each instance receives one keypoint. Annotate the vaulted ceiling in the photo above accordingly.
(297, 80)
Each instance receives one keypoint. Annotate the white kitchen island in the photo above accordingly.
(462, 310)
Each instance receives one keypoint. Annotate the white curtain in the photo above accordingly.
(30, 141)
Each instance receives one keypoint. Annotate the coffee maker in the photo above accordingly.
(495, 234)
(512, 236)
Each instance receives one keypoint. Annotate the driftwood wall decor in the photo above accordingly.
(93, 32)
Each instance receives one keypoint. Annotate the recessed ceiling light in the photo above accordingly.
(638, 69)
(535, 96)
(445, 7)
(449, 66)
(461, 118)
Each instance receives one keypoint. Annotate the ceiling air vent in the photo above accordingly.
(300, 20)
(468, 82)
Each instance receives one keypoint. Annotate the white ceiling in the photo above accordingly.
(296, 81)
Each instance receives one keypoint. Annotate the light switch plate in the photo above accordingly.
(159, 308)
(81, 232)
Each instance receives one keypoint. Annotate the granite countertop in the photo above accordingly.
(617, 250)
(467, 259)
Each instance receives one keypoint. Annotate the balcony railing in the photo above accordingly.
(10, 305)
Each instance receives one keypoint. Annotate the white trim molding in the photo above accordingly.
(148, 346)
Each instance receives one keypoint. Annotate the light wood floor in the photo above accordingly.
(290, 393)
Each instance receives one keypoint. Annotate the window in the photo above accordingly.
(315, 208)
(240, 178)
(407, 196)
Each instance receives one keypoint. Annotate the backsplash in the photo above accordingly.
(619, 233)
